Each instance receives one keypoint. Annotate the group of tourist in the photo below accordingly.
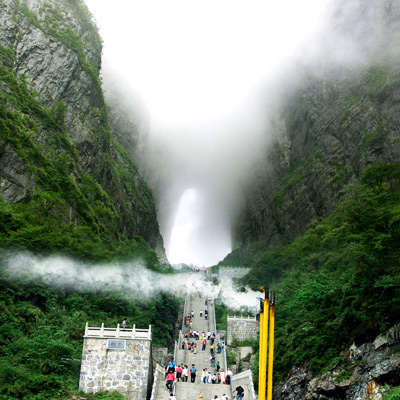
(220, 376)
(192, 340)
(239, 395)
(180, 373)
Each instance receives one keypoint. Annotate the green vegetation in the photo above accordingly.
(68, 211)
(393, 394)
(340, 281)
(221, 314)
(41, 332)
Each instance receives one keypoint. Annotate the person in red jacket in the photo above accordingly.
(170, 379)
(178, 373)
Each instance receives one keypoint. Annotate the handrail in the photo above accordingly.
(247, 375)
(155, 381)
(215, 321)
(234, 317)
(128, 333)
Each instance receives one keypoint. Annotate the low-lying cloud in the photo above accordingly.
(131, 279)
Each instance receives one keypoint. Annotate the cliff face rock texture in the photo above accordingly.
(368, 368)
(55, 49)
(336, 123)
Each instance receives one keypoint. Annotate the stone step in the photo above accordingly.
(189, 391)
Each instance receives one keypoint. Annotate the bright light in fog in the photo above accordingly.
(197, 238)
(200, 67)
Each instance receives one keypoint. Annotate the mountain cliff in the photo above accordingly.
(66, 181)
(339, 119)
(319, 222)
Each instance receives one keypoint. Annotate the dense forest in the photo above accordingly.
(339, 282)
(69, 209)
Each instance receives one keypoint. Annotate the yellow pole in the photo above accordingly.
(271, 346)
(261, 348)
(262, 378)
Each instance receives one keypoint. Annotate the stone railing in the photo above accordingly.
(118, 332)
(235, 318)
(215, 321)
(245, 379)
(158, 374)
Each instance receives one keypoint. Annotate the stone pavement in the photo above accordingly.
(192, 391)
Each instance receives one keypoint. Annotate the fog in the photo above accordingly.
(130, 279)
(208, 73)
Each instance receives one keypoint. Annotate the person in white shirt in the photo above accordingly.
(228, 376)
(222, 374)
(185, 374)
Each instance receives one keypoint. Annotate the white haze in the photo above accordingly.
(130, 279)
(207, 72)
(198, 67)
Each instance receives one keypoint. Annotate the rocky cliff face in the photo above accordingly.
(336, 123)
(364, 374)
(55, 46)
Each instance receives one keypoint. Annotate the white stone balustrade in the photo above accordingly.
(118, 332)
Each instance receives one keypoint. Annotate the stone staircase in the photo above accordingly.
(188, 390)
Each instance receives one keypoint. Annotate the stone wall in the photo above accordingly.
(122, 365)
(241, 328)
(231, 272)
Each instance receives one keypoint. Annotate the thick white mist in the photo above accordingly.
(205, 71)
(196, 237)
(130, 279)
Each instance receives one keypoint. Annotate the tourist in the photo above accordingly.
(171, 365)
(239, 393)
(124, 324)
(170, 379)
(228, 376)
(212, 359)
(178, 373)
(222, 373)
(193, 373)
(207, 376)
(203, 376)
(185, 373)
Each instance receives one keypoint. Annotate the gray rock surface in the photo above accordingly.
(59, 52)
(338, 121)
(363, 374)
